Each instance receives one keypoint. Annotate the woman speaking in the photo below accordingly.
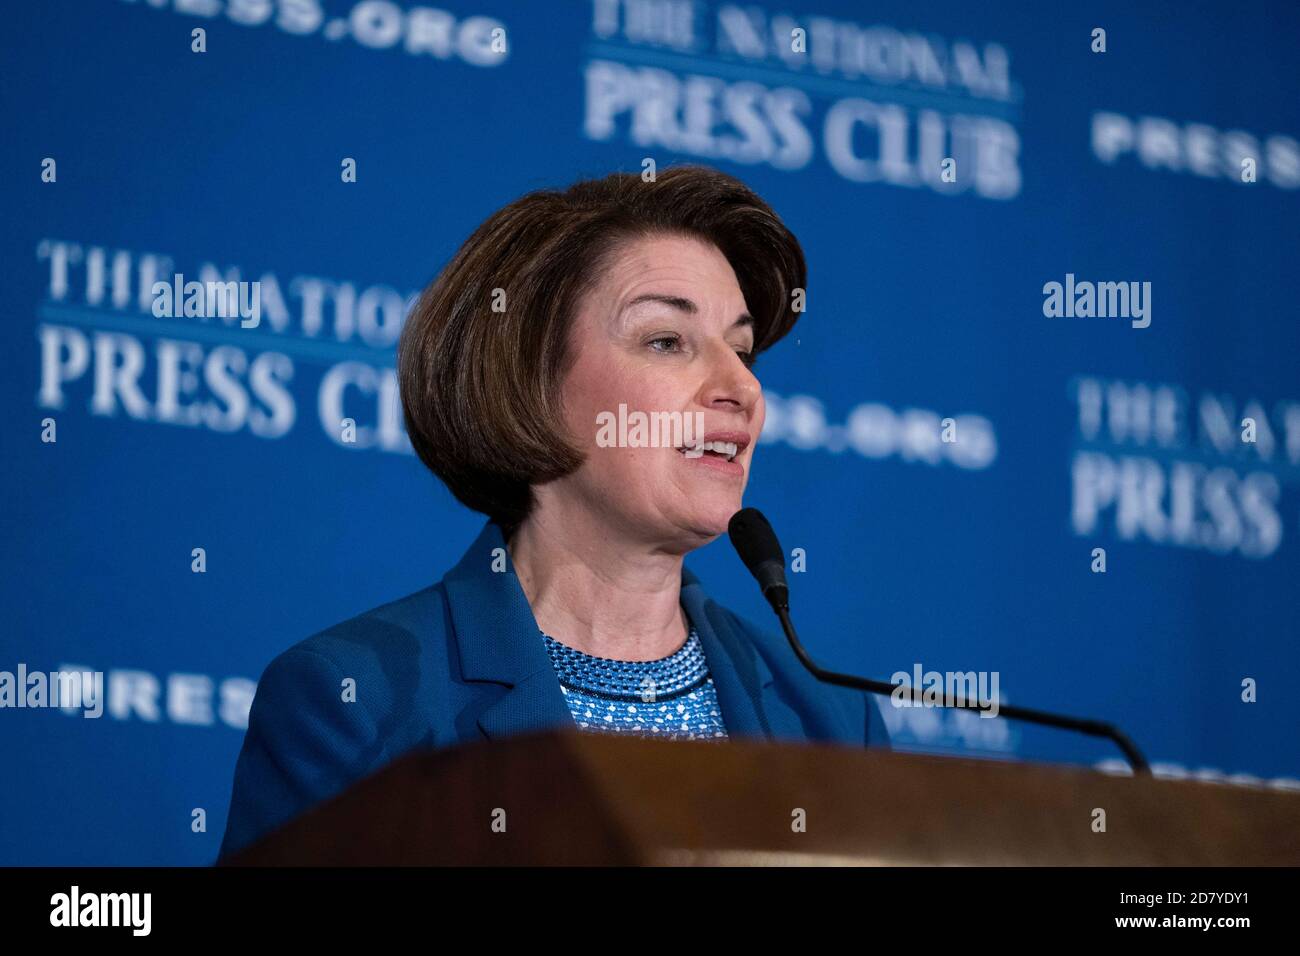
(573, 607)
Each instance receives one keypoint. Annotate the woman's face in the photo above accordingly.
(665, 330)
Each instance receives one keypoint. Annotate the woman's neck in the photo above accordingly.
(597, 592)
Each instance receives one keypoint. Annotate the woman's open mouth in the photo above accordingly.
(718, 453)
(719, 449)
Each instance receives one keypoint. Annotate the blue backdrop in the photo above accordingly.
(1169, 159)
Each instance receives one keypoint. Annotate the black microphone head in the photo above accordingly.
(753, 538)
(755, 541)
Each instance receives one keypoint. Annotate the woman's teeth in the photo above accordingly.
(726, 449)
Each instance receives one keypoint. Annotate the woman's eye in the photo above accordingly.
(672, 344)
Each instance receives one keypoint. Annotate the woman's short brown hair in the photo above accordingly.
(482, 357)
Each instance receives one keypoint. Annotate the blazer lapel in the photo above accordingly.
(499, 641)
(741, 677)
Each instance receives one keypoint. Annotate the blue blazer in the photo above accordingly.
(463, 660)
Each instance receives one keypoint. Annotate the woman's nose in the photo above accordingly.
(730, 381)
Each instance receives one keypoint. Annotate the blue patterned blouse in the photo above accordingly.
(672, 697)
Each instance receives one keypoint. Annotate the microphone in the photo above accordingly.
(756, 543)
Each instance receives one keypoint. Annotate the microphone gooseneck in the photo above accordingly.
(756, 543)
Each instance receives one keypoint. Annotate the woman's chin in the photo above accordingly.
(714, 517)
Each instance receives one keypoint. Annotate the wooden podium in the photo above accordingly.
(584, 799)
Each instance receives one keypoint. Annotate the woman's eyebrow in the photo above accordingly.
(672, 301)
(682, 304)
